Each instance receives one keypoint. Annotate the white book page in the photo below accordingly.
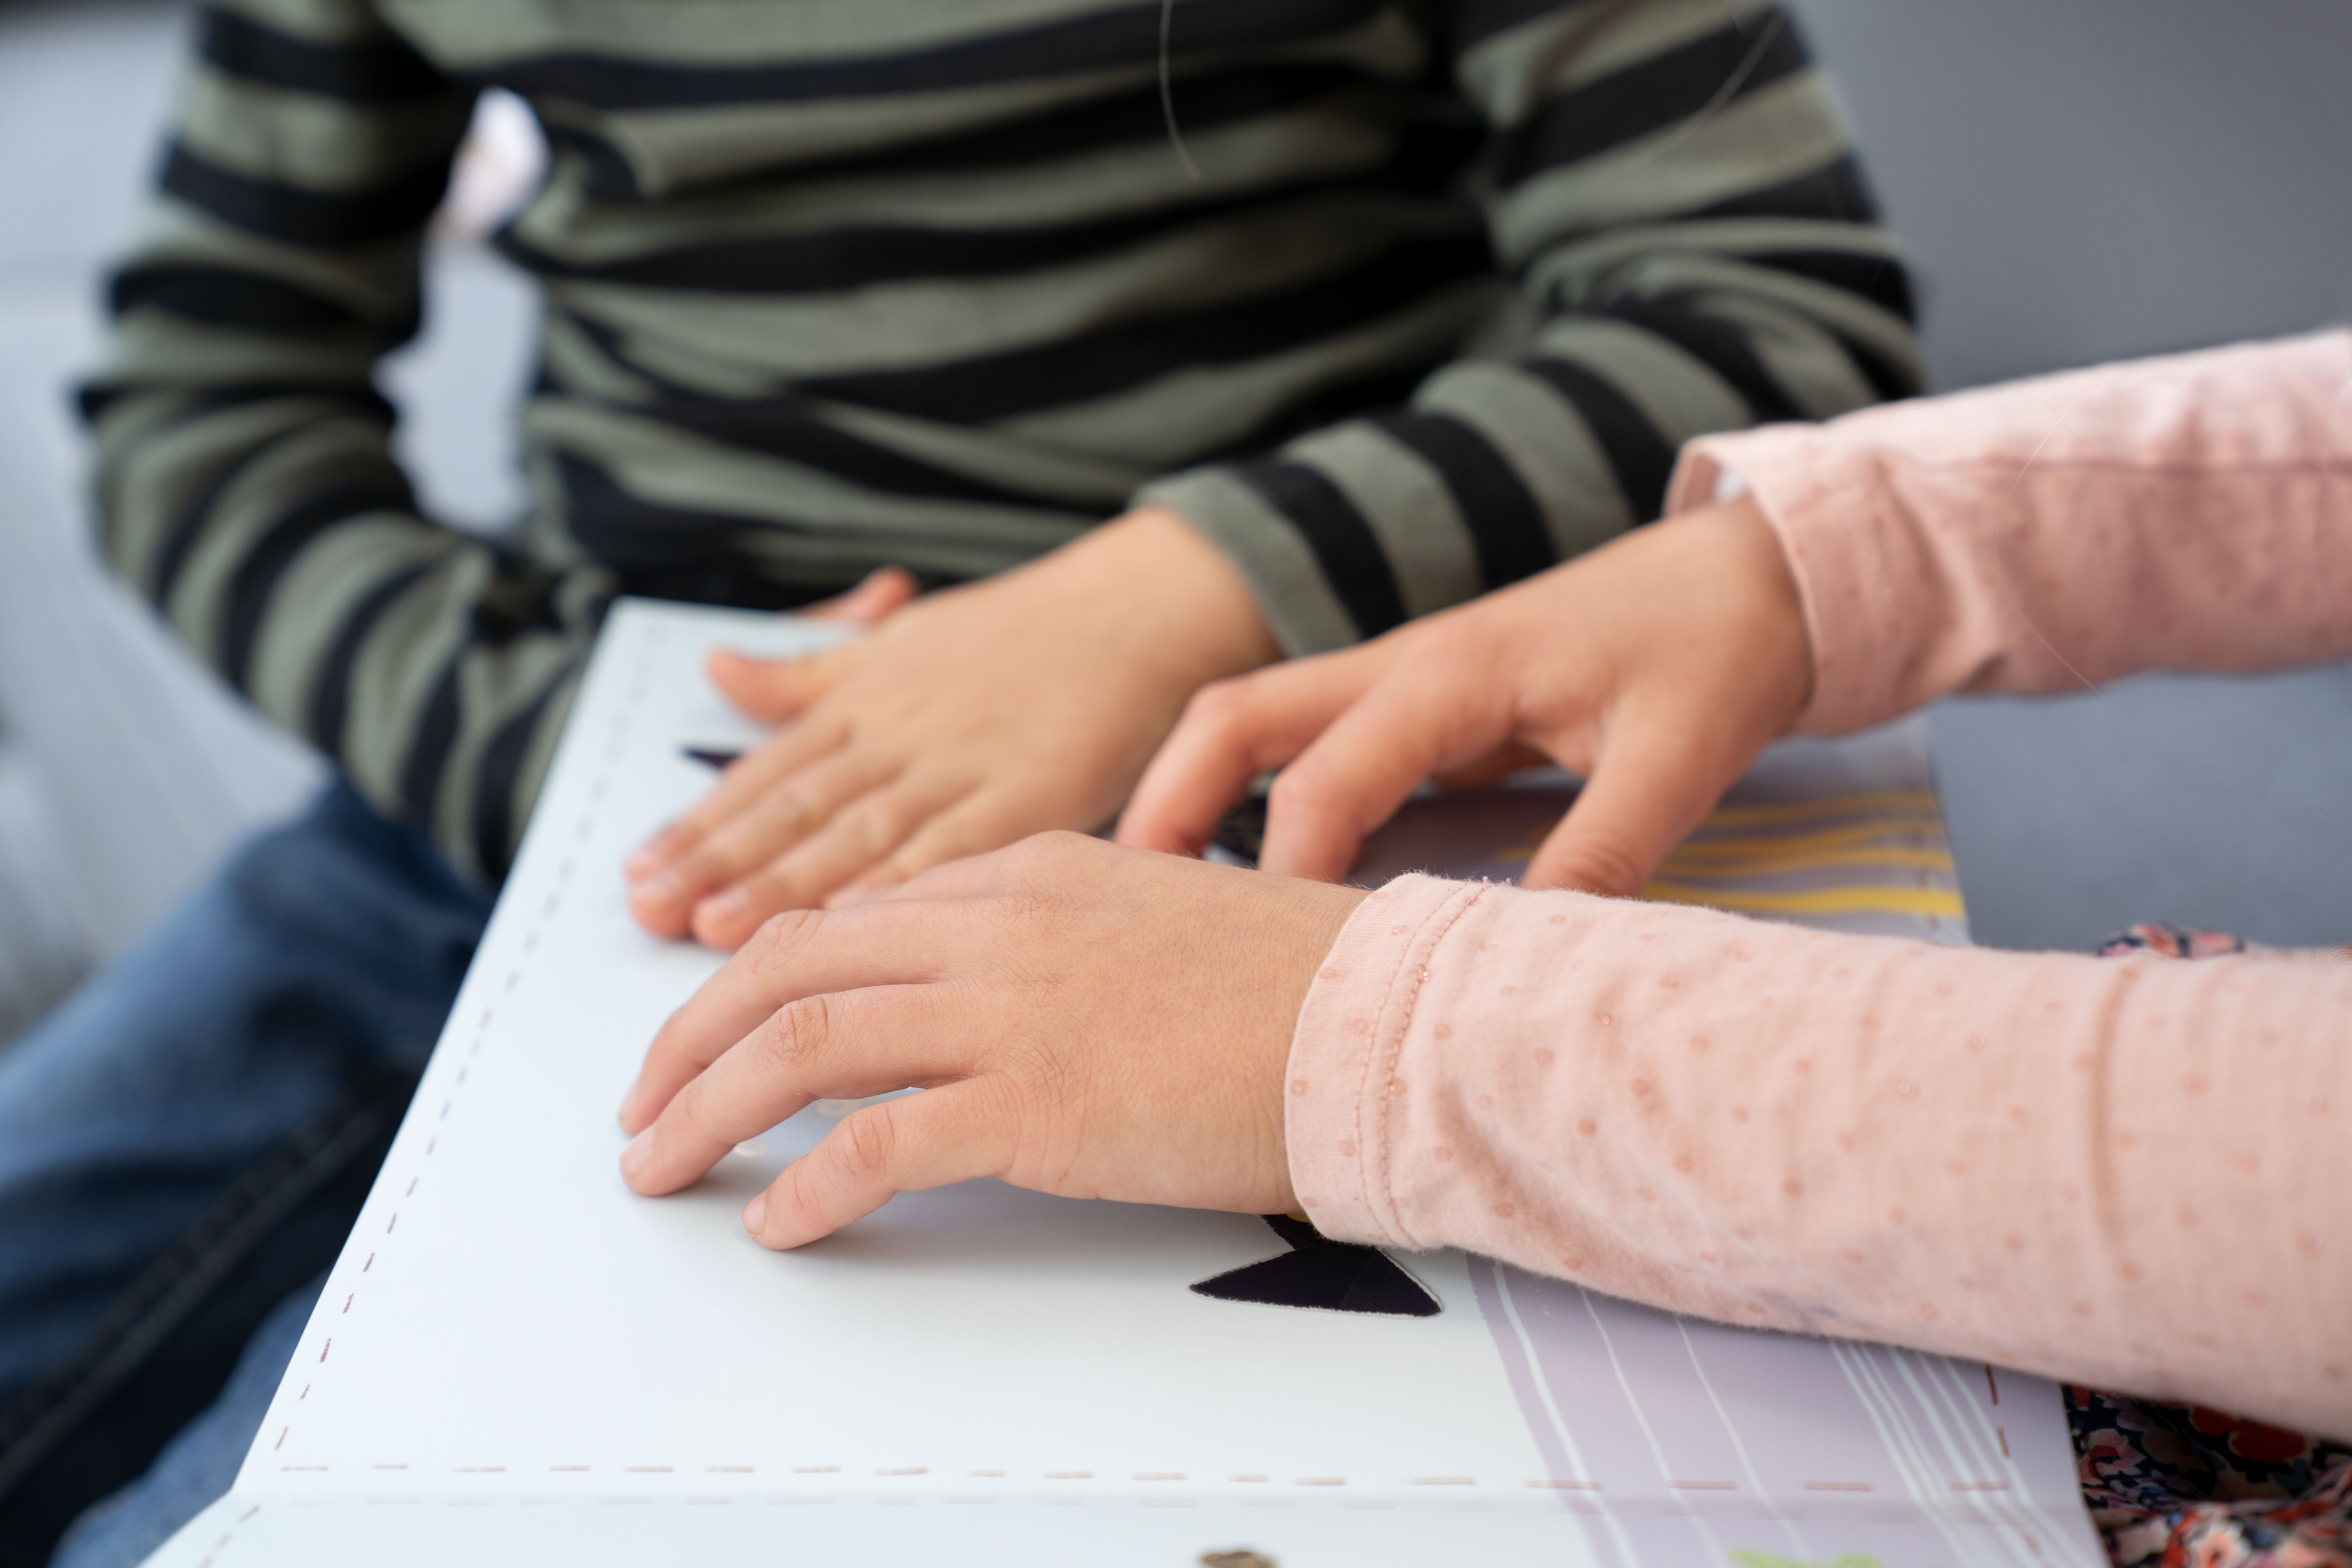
(518, 1359)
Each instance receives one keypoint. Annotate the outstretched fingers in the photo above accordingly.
(908, 1144)
(659, 867)
(842, 1045)
(794, 956)
(1657, 773)
(1231, 732)
(1421, 720)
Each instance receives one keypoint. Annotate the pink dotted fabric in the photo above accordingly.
(2126, 1173)
(2193, 511)
(2121, 1172)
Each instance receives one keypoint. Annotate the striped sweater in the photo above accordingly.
(835, 283)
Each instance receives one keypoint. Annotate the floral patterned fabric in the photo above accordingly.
(2171, 941)
(2179, 1486)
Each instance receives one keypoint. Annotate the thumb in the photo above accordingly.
(774, 690)
(1653, 780)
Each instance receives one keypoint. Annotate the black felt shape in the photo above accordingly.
(1327, 1275)
(711, 756)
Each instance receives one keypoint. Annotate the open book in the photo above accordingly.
(518, 1361)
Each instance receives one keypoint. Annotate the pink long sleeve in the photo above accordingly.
(2131, 1174)
(2193, 511)
(2128, 1174)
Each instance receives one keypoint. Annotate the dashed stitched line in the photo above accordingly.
(226, 1535)
(598, 788)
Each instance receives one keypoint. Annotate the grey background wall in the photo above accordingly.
(2081, 180)
(2089, 179)
(2077, 180)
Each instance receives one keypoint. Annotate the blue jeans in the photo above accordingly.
(183, 1145)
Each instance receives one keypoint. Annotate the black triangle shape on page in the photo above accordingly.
(1324, 1274)
(711, 756)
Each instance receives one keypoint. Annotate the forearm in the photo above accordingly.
(279, 540)
(243, 469)
(2186, 513)
(2104, 1171)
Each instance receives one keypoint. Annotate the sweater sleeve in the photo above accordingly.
(2193, 511)
(245, 481)
(1672, 188)
(2125, 1173)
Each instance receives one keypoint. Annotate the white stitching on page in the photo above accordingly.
(616, 747)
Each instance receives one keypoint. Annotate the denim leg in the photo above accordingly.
(187, 1140)
(199, 1465)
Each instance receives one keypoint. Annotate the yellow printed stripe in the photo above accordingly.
(1739, 851)
(1934, 903)
(1913, 827)
(1683, 863)
(1917, 801)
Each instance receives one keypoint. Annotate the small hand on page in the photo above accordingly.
(1085, 1020)
(964, 720)
(1657, 666)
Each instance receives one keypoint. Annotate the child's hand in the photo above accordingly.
(1085, 1020)
(965, 721)
(1657, 666)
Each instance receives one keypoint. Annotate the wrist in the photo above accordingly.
(1171, 598)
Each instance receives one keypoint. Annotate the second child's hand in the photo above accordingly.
(1656, 667)
(965, 721)
(1084, 1020)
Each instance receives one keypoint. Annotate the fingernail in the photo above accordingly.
(640, 1149)
(643, 862)
(660, 888)
(755, 1212)
(727, 906)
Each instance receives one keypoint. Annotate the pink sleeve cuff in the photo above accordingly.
(1343, 1058)
(2193, 512)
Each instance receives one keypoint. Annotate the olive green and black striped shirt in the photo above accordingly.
(832, 283)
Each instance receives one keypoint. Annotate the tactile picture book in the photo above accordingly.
(516, 1360)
